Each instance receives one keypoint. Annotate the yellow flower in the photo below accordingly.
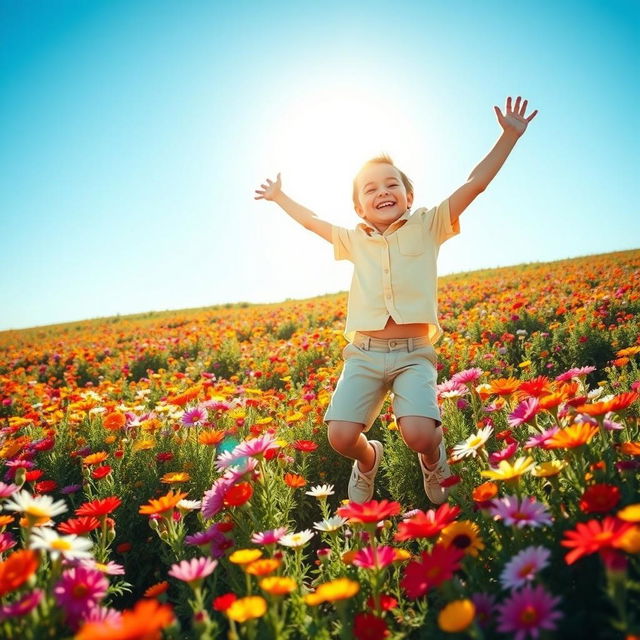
(294, 417)
(464, 535)
(278, 585)
(548, 469)
(247, 608)
(175, 477)
(141, 445)
(630, 513)
(508, 471)
(456, 616)
(339, 589)
(630, 541)
(245, 556)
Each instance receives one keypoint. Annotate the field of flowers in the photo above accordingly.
(168, 475)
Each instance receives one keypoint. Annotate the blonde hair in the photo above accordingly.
(383, 158)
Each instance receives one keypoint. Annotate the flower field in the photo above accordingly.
(168, 475)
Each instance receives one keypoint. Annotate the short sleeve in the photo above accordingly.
(439, 221)
(341, 239)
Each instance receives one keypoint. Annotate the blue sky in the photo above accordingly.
(133, 134)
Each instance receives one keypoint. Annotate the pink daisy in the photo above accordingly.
(576, 372)
(524, 566)
(7, 490)
(212, 499)
(79, 589)
(269, 537)
(504, 454)
(540, 439)
(527, 612)
(102, 614)
(468, 375)
(194, 416)
(22, 607)
(379, 558)
(7, 541)
(525, 412)
(257, 447)
(204, 538)
(235, 473)
(520, 513)
(193, 570)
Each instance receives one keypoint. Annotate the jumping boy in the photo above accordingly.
(392, 318)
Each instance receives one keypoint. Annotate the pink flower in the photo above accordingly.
(194, 416)
(212, 499)
(520, 513)
(576, 372)
(379, 558)
(7, 490)
(503, 454)
(257, 447)
(22, 607)
(79, 589)
(524, 566)
(203, 538)
(193, 570)
(102, 614)
(527, 612)
(6, 541)
(525, 412)
(540, 439)
(468, 375)
(269, 537)
(485, 604)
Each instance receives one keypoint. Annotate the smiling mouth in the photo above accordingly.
(385, 205)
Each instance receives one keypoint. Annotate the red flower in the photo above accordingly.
(164, 456)
(432, 570)
(427, 525)
(35, 474)
(372, 511)
(99, 507)
(305, 445)
(450, 481)
(46, 486)
(101, 471)
(594, 536)
(366, 626)
(238, 494)
(386, 602)
(79, 526)
(222, 603)
(600, 498)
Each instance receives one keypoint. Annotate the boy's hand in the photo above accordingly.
(270, 190)
(513, 121)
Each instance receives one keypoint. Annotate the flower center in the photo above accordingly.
(528, 615)
(80, 590)
(461, 541)
(61, 545)
(526, 570)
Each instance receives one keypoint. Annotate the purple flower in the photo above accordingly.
(520, 513)
(22, 607)
(485, 605)
(524, 566)
(527, 612)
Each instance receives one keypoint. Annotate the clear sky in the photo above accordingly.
(134, 132)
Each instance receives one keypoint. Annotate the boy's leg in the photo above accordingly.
(348, 439)
(422, 435)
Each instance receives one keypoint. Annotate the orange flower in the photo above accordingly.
(162, 505)
(114, 421)
(504, 386)
(175, 477)
(95, 458)
(629, 351)
(294, 480)
(574, 436)
(5, 520)
(17, 569)
(186, 396)
(485, 491)
(156, 589)
(211, 437)
(550, 401)
(630, 448)
(144, 622)
(263, 567)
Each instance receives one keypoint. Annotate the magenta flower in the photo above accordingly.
(79, 589)
(528, 611)
(525, 412)
(379, 558)
(540, 439)
(485, 604)
(468, 375)
(204, 538)
(194, 570)
(576, 372)
(7, 490)
(527, 512)
(504, 454)
(195, 416)
(7, 541)
(269, 537)
(524, 566)
(22, 607)
(212, 499)
(102, 614)
(257, 447)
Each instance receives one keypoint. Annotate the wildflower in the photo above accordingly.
(7, 490)
(484, 492)
(156, 589)
(114, 421)
(485, 605)
(194, 416)
(212, 501)
(549, 468)
(540, 439)
(110, 568)
(575, 372)
(262, 566)
(7, 541)
(278, 585)
(268, 537)
(211, 437)
(37, 510)
(331, 524)
(631, 513)
(463, 535)
(194, 570)
(223, 602)
(306, 446)
(520, 513)
(387, 602)
(508, 471)
(245, 556)
(339, 589)
(456, 616)
(321, 491)
(101, 472)
(426, 525)
(369, 512)
(69, 547)
(79, 589)
(146, 620)
(95, 458)
(175, 477)
(295, 540)
(257, 447)
(22, 607)
(367, 626)
(590, 537)
(524, 566)
(248, 608)
(163, 505)
(600, 498)
(294, 480)
(379, 558)
(434, 568)
(238, 494)
(16, 570)
(577, 435)
(100, 507)
(528, 611)
(472, 445)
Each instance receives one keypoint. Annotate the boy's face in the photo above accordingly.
(382, 197)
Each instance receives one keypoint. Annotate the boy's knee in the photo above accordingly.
(420, 433)
(343, 435)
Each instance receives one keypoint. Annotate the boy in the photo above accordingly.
(392, 321)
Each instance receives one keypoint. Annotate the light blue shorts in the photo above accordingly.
(375, 366)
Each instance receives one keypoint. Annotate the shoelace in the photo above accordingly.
(360, 480)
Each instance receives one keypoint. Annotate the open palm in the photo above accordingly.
(269, 190)
(513, 120)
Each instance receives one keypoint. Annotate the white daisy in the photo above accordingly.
(69, 547)
(37, 509)
(472, 444)
(298, 539)
(320, 491)
(331, 524)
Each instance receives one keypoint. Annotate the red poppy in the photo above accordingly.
(305, 445)
(427, 525)
(600, 498)
(99, 507)
(101, 471)
(222, 603)
(590, 537)
(238, 494)
(432, 570)
(79, 526)
(372, 511)
(367, 626)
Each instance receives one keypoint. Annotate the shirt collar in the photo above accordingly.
(368, 229)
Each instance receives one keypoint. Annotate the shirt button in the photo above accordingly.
(392, 344)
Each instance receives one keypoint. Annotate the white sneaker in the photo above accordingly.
(433, 477)
(361, 484)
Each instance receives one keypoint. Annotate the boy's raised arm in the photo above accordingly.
(309, 220)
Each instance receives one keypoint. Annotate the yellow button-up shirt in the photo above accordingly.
(394, 273)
